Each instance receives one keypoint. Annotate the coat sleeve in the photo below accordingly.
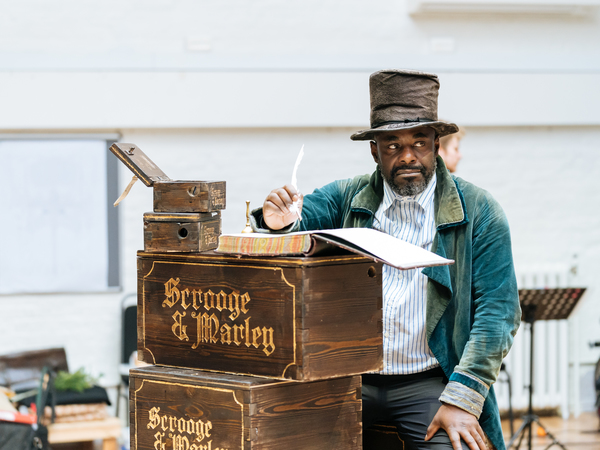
(496, 313)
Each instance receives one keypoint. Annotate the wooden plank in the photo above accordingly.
(83, 431)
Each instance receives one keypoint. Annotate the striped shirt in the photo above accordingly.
(411, 219)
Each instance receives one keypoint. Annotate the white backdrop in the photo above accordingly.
(53, 234)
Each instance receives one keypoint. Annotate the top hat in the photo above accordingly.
(402, 99)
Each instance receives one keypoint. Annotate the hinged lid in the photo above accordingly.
(139, 163)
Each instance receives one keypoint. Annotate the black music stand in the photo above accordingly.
(542, 304)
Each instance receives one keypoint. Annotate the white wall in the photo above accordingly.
(227, 89)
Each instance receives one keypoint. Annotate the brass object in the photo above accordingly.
(248, 228)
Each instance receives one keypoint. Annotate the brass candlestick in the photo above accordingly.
(248, 228)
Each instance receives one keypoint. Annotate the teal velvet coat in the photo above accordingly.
(472, 306)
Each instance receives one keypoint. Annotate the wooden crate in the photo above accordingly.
(291, 318)
(184, 409)
(185, 232)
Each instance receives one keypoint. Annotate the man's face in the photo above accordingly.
(406, 158)
(450, 153)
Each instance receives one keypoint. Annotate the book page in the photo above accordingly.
(388, 249)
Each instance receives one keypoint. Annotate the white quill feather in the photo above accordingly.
(295, 206)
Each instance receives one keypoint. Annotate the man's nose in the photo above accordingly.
(407, 154)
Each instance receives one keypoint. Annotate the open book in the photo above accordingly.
(364, 241)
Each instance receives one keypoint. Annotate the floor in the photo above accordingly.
(575, 434)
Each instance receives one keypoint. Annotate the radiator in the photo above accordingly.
(551, 357)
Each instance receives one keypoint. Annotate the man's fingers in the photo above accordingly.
(276, 208)
(432, 429)
(480, 437)
(473, 438)
(455, 440)
(280, 199)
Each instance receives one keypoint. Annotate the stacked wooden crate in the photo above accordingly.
(250, 352)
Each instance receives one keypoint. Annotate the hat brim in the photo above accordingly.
(441, 128)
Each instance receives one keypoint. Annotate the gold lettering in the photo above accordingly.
(158, 443)
(245, 301)
(180, 442)
(181, 334)
(225, 334)
(200, 430)
(196, 298)
(247, 322)
(154, 418)
(237, 341)
(181, 425)
(209, 304)
(185, 293)
(268, 340)
(221, 301)
(234, 305)
(207, 328)
(255, 335)
(178, 427)
(171, 292)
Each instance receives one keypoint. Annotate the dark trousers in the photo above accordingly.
(409, 402)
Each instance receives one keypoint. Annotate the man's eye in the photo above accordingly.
(419, 144)
(393, 146)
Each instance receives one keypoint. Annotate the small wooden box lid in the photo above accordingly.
(139, 163)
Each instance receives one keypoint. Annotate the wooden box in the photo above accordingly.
(185, 232)
(189, 196)
(285, 317)
(170, 195)
(183, 409)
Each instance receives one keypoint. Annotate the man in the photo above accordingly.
(450, 150)
(446, 329)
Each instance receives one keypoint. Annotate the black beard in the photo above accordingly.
(411, 188)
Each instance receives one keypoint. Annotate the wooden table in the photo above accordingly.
(108, 430)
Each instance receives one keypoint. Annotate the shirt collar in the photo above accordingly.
(423, 199)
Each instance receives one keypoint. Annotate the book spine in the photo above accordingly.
(280, 245)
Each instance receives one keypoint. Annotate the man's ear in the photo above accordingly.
(436, 143)
(374, 152)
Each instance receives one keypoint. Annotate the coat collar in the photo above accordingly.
(449, 204)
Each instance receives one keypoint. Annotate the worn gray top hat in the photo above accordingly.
(402, 99)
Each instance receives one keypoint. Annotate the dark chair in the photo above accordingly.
(22, 371)
(128, 344)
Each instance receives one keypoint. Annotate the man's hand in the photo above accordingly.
(458, 424)
(276, 208)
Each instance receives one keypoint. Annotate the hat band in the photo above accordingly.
(418, 119)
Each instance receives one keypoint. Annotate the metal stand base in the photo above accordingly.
(528, 420)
